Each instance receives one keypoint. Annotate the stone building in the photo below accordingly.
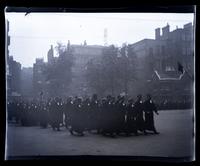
(8, 75)
(27, 82)
(82, 55)
(39, 83)
(14, 78)
(13, 71)
(157, 59)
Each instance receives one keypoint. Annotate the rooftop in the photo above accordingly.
(88, 46)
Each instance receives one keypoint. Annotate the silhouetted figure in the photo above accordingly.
(55, 114)
(86, 119)
(93, 114)
(68, 106)
(139, 108)
(130, 118)
(24, 115)
(108, 116)
(43, 115)
(149, 109)
(76, 118)
(119, 113)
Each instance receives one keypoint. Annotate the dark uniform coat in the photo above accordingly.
(139, 115)
(149, 108)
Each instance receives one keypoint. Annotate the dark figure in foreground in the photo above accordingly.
(56, 115)
(139, 109)
(43, 115)
(130, 126)
(77, 128)
(149, 109)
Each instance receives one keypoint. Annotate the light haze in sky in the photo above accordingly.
(32, 35)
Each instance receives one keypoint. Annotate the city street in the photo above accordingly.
(175, 140)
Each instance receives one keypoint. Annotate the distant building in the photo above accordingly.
(50, 55)
(27, 82)
(38, 76)
(158, 58)
(14, 78)
(8, 75)
(82, 55)
(13, 71)
(155, 59)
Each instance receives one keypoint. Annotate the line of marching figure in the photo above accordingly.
(108, 116)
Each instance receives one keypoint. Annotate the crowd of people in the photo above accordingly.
(173, 105)
(108, 116)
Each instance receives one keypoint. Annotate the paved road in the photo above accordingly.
(174, 140)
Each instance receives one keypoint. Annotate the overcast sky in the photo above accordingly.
(32, 35)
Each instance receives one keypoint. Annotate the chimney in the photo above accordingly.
(68, 45)
(157, 33)
(85, 43)
(50, 55)
(52, 51)
(165, 31)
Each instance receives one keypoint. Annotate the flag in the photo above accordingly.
(180, 68)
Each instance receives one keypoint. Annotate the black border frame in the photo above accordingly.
(37, 6)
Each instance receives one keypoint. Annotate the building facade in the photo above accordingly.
(13, 71)
(155, 64)
(39, 82)
(27, 82)
(8, 75)
(14, 78)
(82, 55)
(157, 61)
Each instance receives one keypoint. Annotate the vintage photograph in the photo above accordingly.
(100, 84)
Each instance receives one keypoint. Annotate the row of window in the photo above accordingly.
(186, 50)
(158, 50)
(186, 37)
(162, 50)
